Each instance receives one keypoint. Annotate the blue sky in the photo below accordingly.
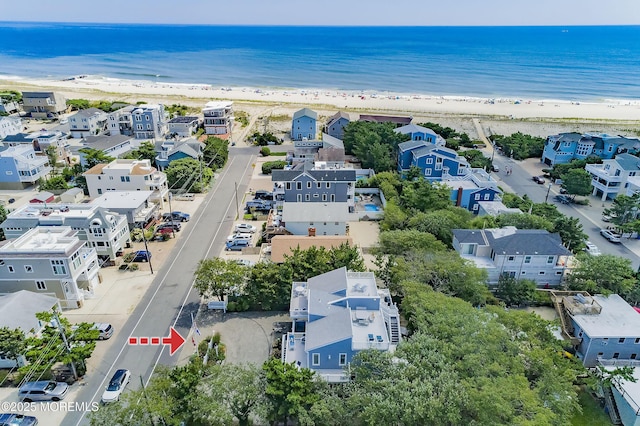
(329, 12)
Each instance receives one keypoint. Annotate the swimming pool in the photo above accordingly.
(371, 208)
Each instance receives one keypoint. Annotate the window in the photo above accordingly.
(28, 268)
(580, 334)
(40, 285)
(541, 273)
(429, 160)
(299, 197)
(328, 185)
(99, 191)
(633, 356)
(477, 197)
(621, 340)
(550, 259)
(125, 179)
(487, 196)
(558, 272)
(308, 185)
(324, 197)
(616, 355)
(524, 272)
(600, 354)
(342, 359)
(307, 197)
(139, 126)
(110, 177)
(511, 258)
(527, 259)
(298, 185)
(288, 185)
(318, 184)
(10, 268)
(637, 340)
(315, 359)
(58, 267)
(333, 197)
(427, 172)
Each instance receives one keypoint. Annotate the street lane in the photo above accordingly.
(590, 216)
(170, 299)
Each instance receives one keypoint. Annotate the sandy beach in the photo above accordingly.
(500, 116)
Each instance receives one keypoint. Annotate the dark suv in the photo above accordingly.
(177, 216)
(176, 226)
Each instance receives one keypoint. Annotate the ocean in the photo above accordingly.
(563, 63)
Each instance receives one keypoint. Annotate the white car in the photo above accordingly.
(244, 262)
(245, 227)
(116, 386)
(592, 249)
(610, 235)
(239, 236)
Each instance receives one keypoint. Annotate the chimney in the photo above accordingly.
(312, 232)
(459, 197)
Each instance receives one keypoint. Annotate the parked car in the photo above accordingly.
(538, 179)
(177, 216)
(495, 168)
(592, 249)
(263, 195)
(172, 224)
(11, 419)
(245, 227)
(258, 205)
(105, 329)
(239, 236)
(163, 230)
(237, 245)
(610, 235)
(43, 390)
(563, 199)
(116, 386)
(139, 256)
(244, 262)
(607, 218)
(185, 197)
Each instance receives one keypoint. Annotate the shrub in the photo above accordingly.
(265, 151)
(273, 165)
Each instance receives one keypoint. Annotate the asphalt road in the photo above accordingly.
(590, 217)
(171, 300)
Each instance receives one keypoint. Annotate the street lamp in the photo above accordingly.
(548, 190)
(146, 249)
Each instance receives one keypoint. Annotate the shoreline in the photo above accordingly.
(367, 100)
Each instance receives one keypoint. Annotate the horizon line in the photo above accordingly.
(2, 22)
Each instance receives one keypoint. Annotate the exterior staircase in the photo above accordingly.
(610, 403)
(394, 329)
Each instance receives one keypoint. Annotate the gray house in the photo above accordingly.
(336, 124)
(87, 122)
(520, 253)
(105, 231)
(314, 186)
(43, 104)
(315, 218)
(51, 261)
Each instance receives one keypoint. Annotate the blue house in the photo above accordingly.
(564, 147)
(336, 124)
(303, 125)
(171, 150)
(602, 328)
(470, 190)
(419, 133)
(335, 315)
(435, 162)
(314, 186)
(20, 167)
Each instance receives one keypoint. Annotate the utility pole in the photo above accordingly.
(144, 393)
(146, 248)
(173, 231)
(66, 344)
(201, 187)
(237, 208)
(548, 190)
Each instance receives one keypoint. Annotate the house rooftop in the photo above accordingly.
(323, 175)
(617, 319)
(89, 112)
(102, 142)
(51, 240)
(414, 128)
(628, 162)
(305, 112)
(218, 105)
(183, 119)
(514, 241)
(410, 145)
(329, 141)
(18, 310)
(315, 212)
(385, 119)
(338, 115)
(122, 199)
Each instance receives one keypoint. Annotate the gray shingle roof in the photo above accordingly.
(514, 241)
(18, 310)
(414, 128)
(185, 119)
(105, 142)
(408, 146)
(89, 112)
(339, 175)
(305, 112)
(337, 116)
(628, 162)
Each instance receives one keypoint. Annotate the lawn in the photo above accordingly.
(592, 414)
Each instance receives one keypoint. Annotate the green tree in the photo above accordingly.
(441, 222)
(524, 221)
(604, 274)
(269, 286)
(624, 211)
(268, 166)
(394, 217)
(520, 146)
(228, 392)
(52, 155)
(477, 159)
(577, 182)
(217, 277)
(399, 242)
(3, 217)
(77, 104)
(54, 183)
(93, 157)
(314, 261)
(571, 234)
(445, 132)
(513, 291)
(559, 170)
(289, 390)
(185, 174)
(216, 152)
(423, 195)
(375, 144)
(146, 151)
(12, 342)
